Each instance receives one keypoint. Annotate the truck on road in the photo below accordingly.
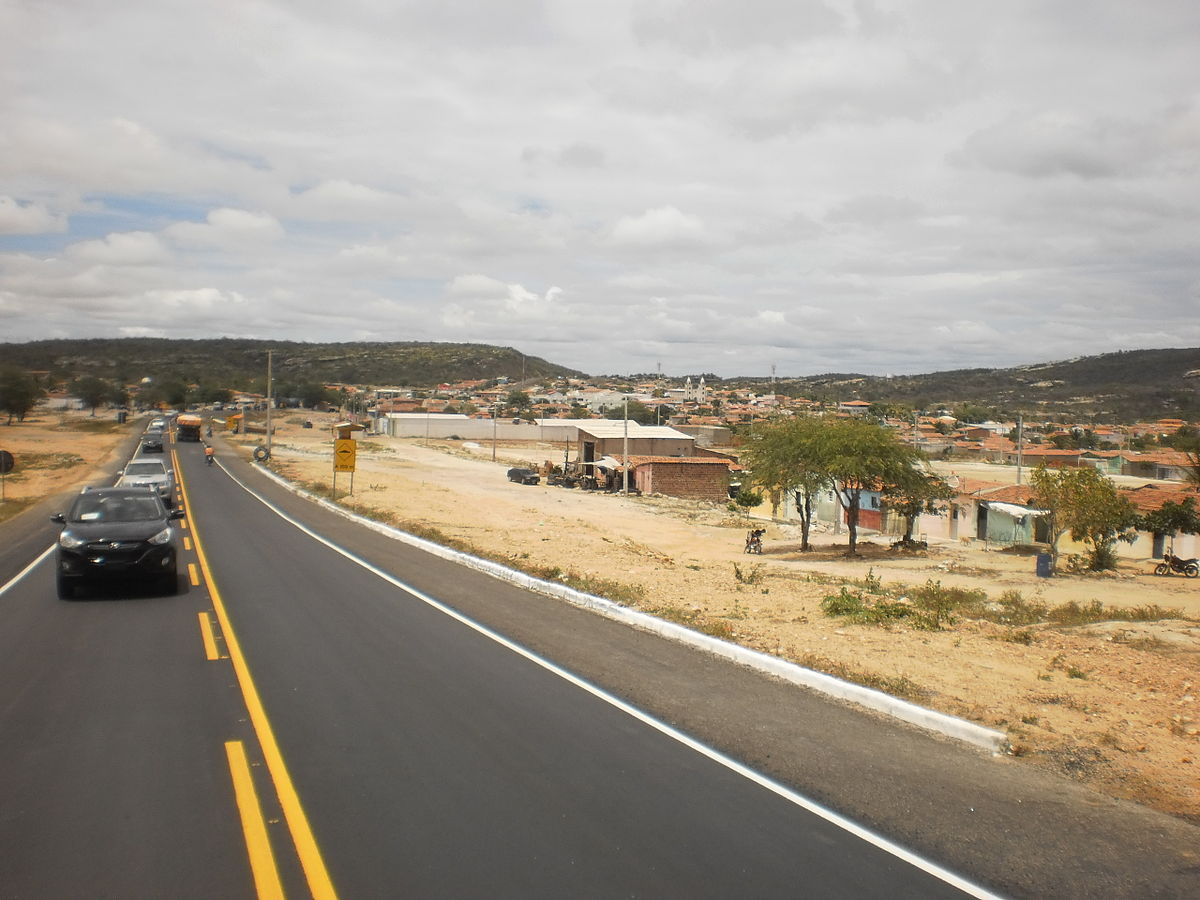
(187, 428)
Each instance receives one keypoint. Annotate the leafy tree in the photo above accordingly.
(579, 412)
(1187, 438)
(518, 400)
(19, 393)
(1190, 445)
(208, 393)
(169, 391)
(91, 391)
(747, 499)
(915, 494)
(310, 393)
(861, 456)
(1085, 503)
(783, 457)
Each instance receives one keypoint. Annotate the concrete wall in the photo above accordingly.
(638, 446)
(441, 427)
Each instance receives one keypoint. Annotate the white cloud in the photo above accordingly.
(134, 248)
(28, 218)
(662, 228)
(343, 201)
(227, 229)
(708, 185)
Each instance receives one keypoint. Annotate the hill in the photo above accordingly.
(242, 364)
(1127, 386)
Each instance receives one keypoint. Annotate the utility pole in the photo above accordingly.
(1020, 445)
(270, 401)
(625, 451)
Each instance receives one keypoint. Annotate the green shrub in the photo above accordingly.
(748, 499)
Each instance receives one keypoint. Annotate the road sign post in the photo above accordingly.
(345, 451)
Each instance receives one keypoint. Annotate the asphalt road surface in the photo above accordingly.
(348, 716)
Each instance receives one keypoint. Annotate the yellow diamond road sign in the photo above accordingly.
(343, 455)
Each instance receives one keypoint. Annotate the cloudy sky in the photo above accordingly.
(880, 186)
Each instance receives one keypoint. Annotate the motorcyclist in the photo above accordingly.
(208, 454)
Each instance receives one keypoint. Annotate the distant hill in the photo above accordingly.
(240, 364)
(1128, 386)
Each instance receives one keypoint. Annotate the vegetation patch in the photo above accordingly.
(934, 606)
(616, 591)
(93, 426)
(693, 619)
(928, 606)
(897, 685)
(747, 574)
(50, 461)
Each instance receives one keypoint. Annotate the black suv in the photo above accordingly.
(524, 476)
(116, 533)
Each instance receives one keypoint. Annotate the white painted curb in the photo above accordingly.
(931, 720)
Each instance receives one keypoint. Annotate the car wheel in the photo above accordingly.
(66, 587)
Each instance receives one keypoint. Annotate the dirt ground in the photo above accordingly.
(1111, 703)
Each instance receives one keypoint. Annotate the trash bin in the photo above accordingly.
(1045, 565)
(122, 416)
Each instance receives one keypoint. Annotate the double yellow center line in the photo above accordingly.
(262, 862)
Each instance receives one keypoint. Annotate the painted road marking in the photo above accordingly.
(209, 638)
(193, 575)
(258, 844)
(319, 883)
(848, 825)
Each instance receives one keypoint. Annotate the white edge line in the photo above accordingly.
(878, 841)
(25, 571)
(970, 733)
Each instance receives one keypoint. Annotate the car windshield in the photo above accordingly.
(116, 508)
(145, 468)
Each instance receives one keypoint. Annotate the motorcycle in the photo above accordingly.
(1175, 564)
(754, 541)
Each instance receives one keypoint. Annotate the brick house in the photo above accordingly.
(692, 478)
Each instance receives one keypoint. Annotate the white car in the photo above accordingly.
(151, 473)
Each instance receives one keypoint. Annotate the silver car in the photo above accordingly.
(151, 473)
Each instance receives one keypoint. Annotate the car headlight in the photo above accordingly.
(163, 537)
(70, 541)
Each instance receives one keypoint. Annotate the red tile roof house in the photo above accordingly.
(1148, 498)
(1169, 465)
(854, 406)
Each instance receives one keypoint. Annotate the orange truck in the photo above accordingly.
(187, 428)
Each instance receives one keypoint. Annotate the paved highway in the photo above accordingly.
(303, 719)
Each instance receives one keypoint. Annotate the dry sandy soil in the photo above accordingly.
(1112, 704)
